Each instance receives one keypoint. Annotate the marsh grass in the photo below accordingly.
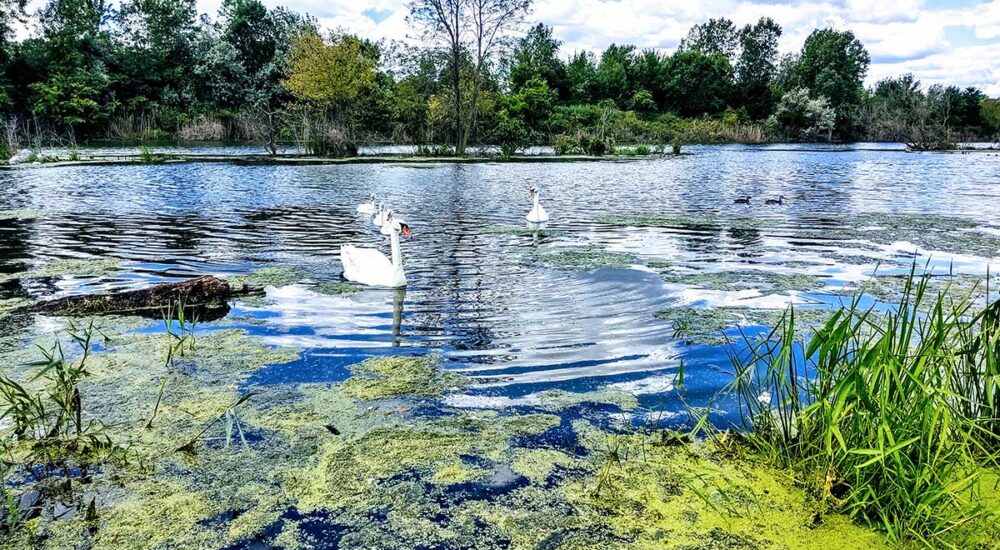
(891, 416)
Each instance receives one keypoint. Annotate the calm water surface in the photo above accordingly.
(478, 292)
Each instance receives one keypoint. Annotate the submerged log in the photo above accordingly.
(203, 294)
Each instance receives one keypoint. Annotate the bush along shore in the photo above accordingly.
(872, 429)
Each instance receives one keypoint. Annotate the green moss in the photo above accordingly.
(585, 258)
(393, 376)
(76, 267)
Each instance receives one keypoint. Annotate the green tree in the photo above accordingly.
(989, 110)
(833, 65)
(537, 56)
(582, 73)
(801, 117)
(698, 84)
(717, 36)
(328, 74)
(613, 76)
(756, 67)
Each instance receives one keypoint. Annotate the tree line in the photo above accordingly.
(155, 69)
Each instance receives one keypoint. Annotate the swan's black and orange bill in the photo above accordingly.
(405, 229)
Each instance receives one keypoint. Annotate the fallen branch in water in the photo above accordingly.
(205, 293)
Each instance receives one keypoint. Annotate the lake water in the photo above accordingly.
(572, 307)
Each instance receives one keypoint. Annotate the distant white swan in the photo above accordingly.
(367, 207)
(386, 228)
(537, 214)
(370, 267)
(379, 218)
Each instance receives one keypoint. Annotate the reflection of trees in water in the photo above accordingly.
(15, 247)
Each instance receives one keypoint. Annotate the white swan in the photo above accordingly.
(537, 214)
(367, 207)
(386, 228)
(379, 218)
(370, 267)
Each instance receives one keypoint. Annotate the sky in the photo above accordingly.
(939, 41)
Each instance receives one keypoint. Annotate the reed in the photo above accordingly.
(891, 416)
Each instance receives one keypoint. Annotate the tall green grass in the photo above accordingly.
(889, 415)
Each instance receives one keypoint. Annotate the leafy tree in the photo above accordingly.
(833, 65)
(613, 77)
(650, 75)
(756, 66)
(801, 117)
(537, 56)
(475, 27)
(717, 36)
(989, 109)
(697, 83)
(10, 11)
(582, 74)
(328, 73)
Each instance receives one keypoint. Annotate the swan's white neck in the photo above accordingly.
(397, 256)
(536, 200)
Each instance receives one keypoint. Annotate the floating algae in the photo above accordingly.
(322, 466)
(73, 267)
(586, 258)
(393, 376)
(337, 288)
(276, 276)
(681, 220)
(764, 281)
(706, 325)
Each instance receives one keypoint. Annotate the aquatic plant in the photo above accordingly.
(70, 267)
(890, 415)
(393, 376)
(589, 257)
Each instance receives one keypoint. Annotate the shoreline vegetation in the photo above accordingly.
(80, 157)
(270, 76)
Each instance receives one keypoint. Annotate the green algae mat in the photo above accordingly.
(187, 457)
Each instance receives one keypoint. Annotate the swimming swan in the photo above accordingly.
(379, 218)
(370, 267)
(367, 207)
(386, 229)
(537, 214)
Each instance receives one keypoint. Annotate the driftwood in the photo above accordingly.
(208, 295)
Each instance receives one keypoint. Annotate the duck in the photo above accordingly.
(370, 267)
(742, 200)
(367, 207)
(779, 200)
(379, 218)
(386, 229)
(537, 214)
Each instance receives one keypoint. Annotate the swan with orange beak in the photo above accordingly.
(371, 267)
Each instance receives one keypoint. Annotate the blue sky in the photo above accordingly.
(939, 41)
